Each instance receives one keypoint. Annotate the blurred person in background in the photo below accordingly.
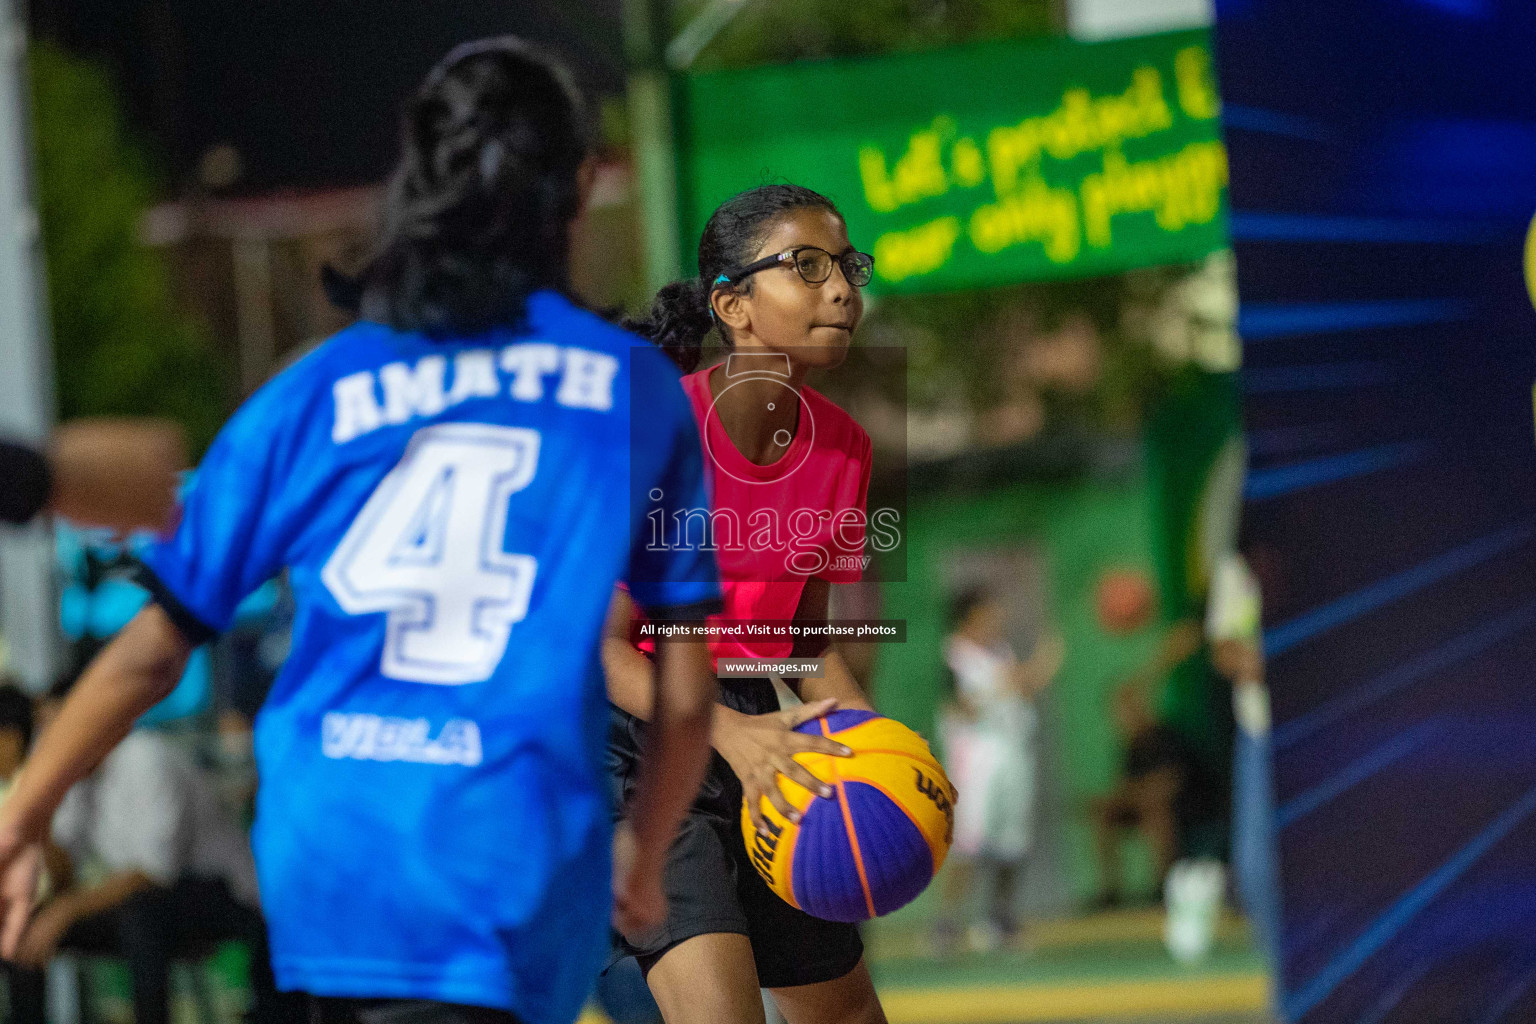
(1165, 792)
(146, 866)
(119, 473)
(1233, 629)
(989, 729)
(16, 721)
(434, 841)
(24, 987)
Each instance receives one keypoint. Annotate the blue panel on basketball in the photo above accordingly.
(837, 721)
(825, 875)
(897, 861)
(875, 844)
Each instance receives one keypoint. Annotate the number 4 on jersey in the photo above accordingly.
(427, 549)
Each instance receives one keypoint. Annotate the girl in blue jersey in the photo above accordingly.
(451, 487)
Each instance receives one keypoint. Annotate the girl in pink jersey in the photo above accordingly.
(787, 472)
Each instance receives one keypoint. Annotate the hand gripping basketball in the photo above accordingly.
(874, 842)
(760, 748)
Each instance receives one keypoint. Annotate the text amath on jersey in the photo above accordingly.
(585, 381)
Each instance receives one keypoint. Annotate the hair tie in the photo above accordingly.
(709, 296)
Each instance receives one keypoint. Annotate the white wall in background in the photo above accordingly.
(1092, 20)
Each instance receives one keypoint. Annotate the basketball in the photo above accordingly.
(1125, 600)
(877, 842)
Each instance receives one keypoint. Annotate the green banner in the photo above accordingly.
(979, 165)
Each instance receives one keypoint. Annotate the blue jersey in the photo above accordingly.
(433, 821)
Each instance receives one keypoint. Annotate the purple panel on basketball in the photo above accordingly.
(877, 842)
(897, 860)
(837, 721)
(824, 874)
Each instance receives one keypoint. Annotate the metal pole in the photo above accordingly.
(27, 605)
(253, 311)
(650, 118)
(701, 31)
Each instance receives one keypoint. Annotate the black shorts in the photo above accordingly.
(710, 882)
(326, 1010)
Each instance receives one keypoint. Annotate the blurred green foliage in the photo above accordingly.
(775, 31)
(958, 342)
(121, 346)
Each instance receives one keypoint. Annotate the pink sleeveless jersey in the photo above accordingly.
(776, 526)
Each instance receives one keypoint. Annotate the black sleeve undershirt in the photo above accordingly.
(25, 482)
(193, 628)
(696, 612)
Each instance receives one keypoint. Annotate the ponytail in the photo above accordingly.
(478, 211)
(678, 322)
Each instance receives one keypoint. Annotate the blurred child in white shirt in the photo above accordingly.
(988, 730)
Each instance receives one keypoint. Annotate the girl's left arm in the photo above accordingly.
(836, 681)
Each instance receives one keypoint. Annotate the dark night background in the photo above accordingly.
(307, 92)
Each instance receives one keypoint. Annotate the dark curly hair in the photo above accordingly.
(479, 208)
(680, 317)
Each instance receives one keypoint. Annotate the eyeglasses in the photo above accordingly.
(814, 265)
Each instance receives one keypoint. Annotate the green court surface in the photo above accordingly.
(1104, 967)
(1109, 968)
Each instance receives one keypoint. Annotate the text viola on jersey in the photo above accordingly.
(400, 392)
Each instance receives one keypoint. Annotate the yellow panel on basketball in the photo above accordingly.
(877, 842)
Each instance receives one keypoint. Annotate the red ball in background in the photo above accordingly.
(1125, 600)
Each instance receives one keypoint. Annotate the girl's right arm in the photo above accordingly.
(670, 772)
(136, 671)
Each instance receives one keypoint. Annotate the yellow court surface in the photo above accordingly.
(1108, 967)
